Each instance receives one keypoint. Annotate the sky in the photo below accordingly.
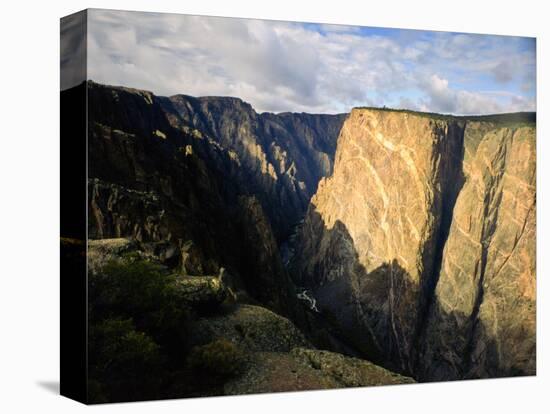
(303, 67)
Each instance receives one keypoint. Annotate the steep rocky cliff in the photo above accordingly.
(207, 181)
(167, 188)
(282, 156)
(483, 323)
(421, 248)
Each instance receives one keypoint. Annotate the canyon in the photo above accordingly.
(421, 245)
(401, 238)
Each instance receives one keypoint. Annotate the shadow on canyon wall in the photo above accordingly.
(378, 313)
(247, 158)
(186, 197)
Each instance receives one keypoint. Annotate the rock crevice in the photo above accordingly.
(407, 246)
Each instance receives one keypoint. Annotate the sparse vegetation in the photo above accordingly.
(220, 358)
(124, 363)
(138, 331)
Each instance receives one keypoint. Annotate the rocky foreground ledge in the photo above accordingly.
(273, 355)
(308, 369)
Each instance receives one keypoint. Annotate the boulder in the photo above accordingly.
(308, 369)
(254, 328)
(201, 291)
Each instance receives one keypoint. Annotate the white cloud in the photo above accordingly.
(278, 66)
(442, 98)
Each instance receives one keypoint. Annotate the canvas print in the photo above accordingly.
(254, 206)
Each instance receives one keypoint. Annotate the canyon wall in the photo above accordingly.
(282, 156)
(420, 248)
(483, 322)
(179, 194)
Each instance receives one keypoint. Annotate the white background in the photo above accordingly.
(29, 206)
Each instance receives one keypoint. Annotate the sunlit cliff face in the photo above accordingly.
(426, 231)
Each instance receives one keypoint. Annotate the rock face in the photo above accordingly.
(205, 291)
(205, 183)
(252, 328)
(174, 193)
(368, 241)
(483, 321)
(420, 246)
(308, 369)
(282, 156)
(349, 372)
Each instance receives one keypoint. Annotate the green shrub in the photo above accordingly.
(144, 292)
(124, 363)
(128, 287)
(138, 328)
(220, 358)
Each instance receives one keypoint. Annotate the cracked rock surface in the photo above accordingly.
(421, 245)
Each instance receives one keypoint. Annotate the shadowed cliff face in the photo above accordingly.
(179, 194)
(283, 156)
(361, 306)
(421, 244)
